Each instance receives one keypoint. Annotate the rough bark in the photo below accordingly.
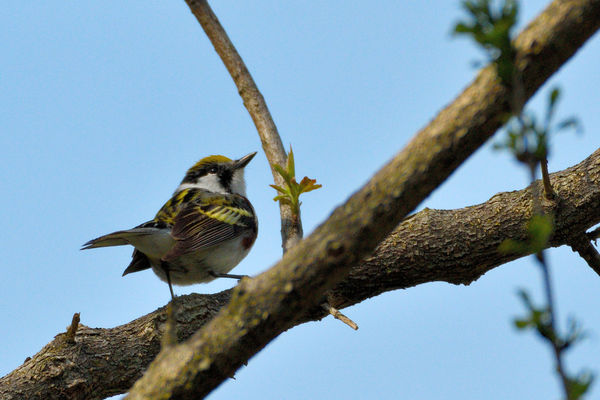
(455, 246)
(458, 246)
(102, 362)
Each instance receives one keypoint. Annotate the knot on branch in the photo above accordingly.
(72, 329)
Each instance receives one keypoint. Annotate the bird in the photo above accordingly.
(201, 233)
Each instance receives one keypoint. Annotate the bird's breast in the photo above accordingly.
(195, 267)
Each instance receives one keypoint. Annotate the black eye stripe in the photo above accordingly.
(223, 173)
(208, 169)
(225, 176)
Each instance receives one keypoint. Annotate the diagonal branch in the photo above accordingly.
(262, 308)
(291, 227)
(456, 246)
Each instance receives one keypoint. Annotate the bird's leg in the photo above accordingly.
(219, 275)
(165, 267)
(170, 285)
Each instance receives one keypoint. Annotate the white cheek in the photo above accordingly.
(209, 182)
(238, 185)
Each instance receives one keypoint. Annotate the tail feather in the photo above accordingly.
(119, 238)
(139, 262)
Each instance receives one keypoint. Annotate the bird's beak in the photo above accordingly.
(242, 162)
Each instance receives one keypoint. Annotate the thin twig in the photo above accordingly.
(548, 191)
(581, 244)
(338, 315)
(557, 350)
(291, 227)
(72, 330)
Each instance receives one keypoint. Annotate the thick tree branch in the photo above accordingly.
(456, 246)
(103, 362)
(291, 226)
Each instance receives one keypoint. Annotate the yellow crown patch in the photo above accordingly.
(210, 159)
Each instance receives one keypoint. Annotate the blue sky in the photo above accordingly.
(104, 106)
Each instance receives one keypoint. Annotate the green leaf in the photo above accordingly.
(491, 28)
(462, 28)
(283, 199)
(279, 189)
(521, 323)
(291, 166)
(579, 385)
(284, 174)
(290, 193)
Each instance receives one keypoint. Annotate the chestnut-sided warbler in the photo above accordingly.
(201, 233)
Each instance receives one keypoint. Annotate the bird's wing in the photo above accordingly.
(207, 221)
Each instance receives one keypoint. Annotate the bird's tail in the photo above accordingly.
(118, 238)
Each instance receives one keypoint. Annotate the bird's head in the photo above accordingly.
(217, 174)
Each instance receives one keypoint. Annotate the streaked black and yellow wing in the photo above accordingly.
(208, 219)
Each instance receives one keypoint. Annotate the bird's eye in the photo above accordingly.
(212, 170)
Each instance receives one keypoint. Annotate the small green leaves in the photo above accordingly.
(525, 139)
(580, 384)
(491, 28)
(528, 140)
(536, 318)
(290, 194)
(568, 123)
(540, 319)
